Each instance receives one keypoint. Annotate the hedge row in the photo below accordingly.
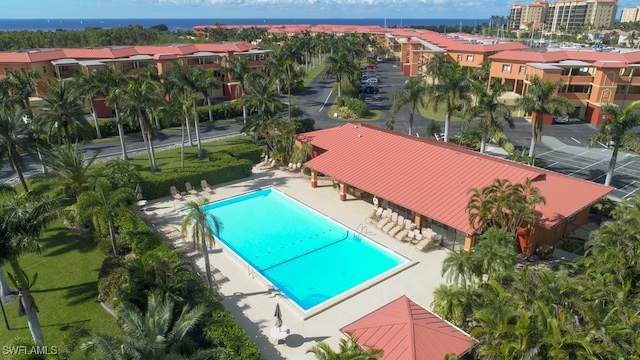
(249, 152)
(223, 168)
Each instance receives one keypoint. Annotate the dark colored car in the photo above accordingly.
(369, 89)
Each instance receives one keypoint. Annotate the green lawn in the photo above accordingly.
(168, 160)
(430, 113)
(312, 73)
(66, 290)
(373, 115)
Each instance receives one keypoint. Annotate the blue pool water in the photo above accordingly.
(306, 255)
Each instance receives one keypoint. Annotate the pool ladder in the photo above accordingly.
(361, 229)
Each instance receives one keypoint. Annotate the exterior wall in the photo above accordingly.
(630, 14)
(468, 59)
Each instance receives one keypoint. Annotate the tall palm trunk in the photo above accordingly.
(5, 290)
(289, 104)
(612, 164)
(532, 146)
(447, 123)
(123, 146)
(27, 304)
(152, 150)
(483, 140)
(203, 244)
(182, 146)
(17, 169)
(244, 114)
(189, 132)
(196, 122)
(157, 122)
(67, 134)
(145, 140)
(411, 123)
(210, 110)
(112, 235)
(95, 119)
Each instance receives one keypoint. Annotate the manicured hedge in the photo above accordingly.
(108, 127)
(225, 110)
(250, 152)
(223, 168)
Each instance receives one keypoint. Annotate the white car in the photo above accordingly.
(380, 58)
(561, 119)
(371, 81)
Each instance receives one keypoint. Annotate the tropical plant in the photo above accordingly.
(63, 109)
(489, 110)
(69, 166)
(340, 66)
(540, 100)
(204, 226)
(618, 123)
(414, 95)
(89, 87)
(141, 96)
(289, 74)
(154, 334)
(348, 350)
(452, 91)
(121, 174)
(16, 140)
(261, 96)
(237, 69)
(504, 205)
(22, 221)
(103, 204)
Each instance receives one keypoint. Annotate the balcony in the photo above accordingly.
(577, 79)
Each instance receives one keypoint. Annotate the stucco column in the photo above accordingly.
(469, 242)
(417, 220)
(343, 191)
(314, 178)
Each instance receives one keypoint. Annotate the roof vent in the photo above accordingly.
(355, 126)
(359, 135)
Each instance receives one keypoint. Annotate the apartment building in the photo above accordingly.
(591, 78)
(564, 14)
(630, 14)
(65, 63)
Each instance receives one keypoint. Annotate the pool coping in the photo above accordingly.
(336, 299)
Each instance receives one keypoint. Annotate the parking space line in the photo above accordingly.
(325, 101)
(550, 151)
(614, 172)
(629, 194)
(586, 167)
(626, 186)
(576, 140)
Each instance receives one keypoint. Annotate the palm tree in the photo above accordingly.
(490, 111)
(103, 205)
(69, 166)
(348, 350)
(22, 86)
(154, 334)
(64, 110)
(455, 303)
(206, 82)
(340, 67)
(459, 268)
(142, 96)
(262, 97)
(452, 90)
(204, 226)
(114, 99)
(89, 87)
(618, 123)
(413, 94)
(540, 101)
(22, 220)
(436, 65)
(237, 69)
(16, 138)
(289, 73)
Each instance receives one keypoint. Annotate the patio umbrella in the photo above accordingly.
(278, 316)
(139, 192)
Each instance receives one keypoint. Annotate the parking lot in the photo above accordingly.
(563, 149)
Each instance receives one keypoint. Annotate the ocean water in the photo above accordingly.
(188, 24)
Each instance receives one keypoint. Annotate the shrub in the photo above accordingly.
(345, 113)
(250, 152)
(305, 125)
(223, 168)
(108, 127)
(111, 278)
(504, 142)
(631, 142)
(340, 101)
(23, 355)
(356, 106)
(221, 111)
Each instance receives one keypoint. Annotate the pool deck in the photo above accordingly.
(252, 301)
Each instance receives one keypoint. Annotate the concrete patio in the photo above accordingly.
(252, 301)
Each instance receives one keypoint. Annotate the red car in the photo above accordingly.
(371, 66)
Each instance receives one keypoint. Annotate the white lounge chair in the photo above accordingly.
(175, 193)
(411, 235)
(402, 234)
(384, 221)
(400, 221)
(389, 226)
(206, 187)
(190, 189)
(394, 230)
(423, 244)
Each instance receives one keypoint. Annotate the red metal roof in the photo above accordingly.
(433, 178)
(404, 330)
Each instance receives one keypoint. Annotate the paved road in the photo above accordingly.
(562, 148)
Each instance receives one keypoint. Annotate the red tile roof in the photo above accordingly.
(587, 55)
(404, 330)
(433, 178)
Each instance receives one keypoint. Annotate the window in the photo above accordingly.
(506, 68)
(44, 69)
(6, 70)
(459, 57)
(469, 57)
(23, 70)
(521, 70)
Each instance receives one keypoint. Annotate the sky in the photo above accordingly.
(311, 9)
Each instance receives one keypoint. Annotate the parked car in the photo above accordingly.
(371, 81)
(380, 58)
(561, 119)
(369, 89)
(370, 66)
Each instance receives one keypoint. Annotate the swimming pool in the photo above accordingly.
(309, 257)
